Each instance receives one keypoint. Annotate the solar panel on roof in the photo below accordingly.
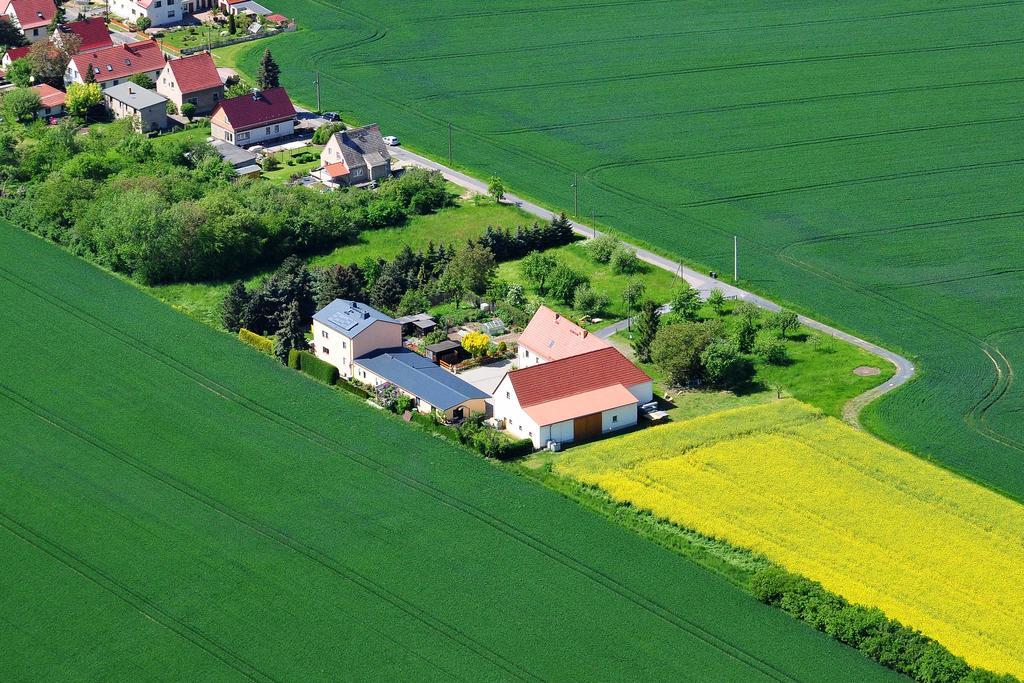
(344, 321)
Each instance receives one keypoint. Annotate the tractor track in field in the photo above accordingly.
(318, 557)
(796, 144)
(597, 576)
(139, 602)
(762, 104)
(663, 73)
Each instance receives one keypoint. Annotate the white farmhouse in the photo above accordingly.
(255, 118)
(572, 399)
(551, 336)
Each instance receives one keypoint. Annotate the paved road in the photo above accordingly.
(703, 283)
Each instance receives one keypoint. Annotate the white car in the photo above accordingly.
(390, 140)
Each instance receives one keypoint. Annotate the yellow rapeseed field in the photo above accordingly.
(867, 520)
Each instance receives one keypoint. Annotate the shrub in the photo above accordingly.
(293, 359)
(258, 342)
(601, 248)
(770, 348)
(624, 261)
(353, 389)
(271, 164)
(316, 368)
(188, 110)
(322, 134)
(142, 23)
(588, 301)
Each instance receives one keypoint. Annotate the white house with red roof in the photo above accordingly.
(51, 101)
(572, 399)
(159, 12)
(193, 79)
(259, 117)
(114, 65)
(12, 55)
(93, 33)
(551, 336)
(32, 17)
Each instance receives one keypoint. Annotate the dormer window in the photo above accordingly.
(110, 67)
(127, 62)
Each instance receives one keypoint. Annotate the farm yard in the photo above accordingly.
(175, 505)
(870, 522)
(864, 154)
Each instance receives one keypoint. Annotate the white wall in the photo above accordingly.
(333, 347)
(644, 392)
(525, 357)
(618, 418)
(160, 12)
(517, 422)
(253, 136)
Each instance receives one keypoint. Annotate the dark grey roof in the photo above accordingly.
(406, 319)
(421, 378)
(446, 345)
(362, 146)
(233, 154)
(350, 317)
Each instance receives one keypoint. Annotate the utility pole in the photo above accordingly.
(449, 143)
(575, 196)
(735, 259)
(317, 92)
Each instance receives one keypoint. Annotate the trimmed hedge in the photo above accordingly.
(293, 359)
(316, 368)
(258, 342)
(353, 389)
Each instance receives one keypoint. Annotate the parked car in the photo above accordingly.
(331, 116)
(390, 140)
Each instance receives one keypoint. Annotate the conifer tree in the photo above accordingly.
(269, 73)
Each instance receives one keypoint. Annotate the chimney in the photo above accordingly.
(131, 91)
(557, 316)
(585, 333)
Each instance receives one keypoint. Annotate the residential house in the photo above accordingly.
(344, 330)
(431, 388)
(256, 118)
(159, 12)
(51, 101)
(572, 399)
(193, 79)
(147, 108)
(242, 160)
(92, 32)
(356, 156)
(551, 336)
(13, 54)
(31, 17)
(115, 65)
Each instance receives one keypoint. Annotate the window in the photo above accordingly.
(35, 32)
(327, 351)
(531, 435)
(268, 130)
(344, 345)
(508, 394)
(216, 97)
(193, 100)
(277, 128)
(615, 418)
(171, 14)
(323, 333)
(526, 353)
(243, 136)
(159, 4)
(116, 81)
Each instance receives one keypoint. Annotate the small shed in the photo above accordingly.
(494, 327)
(417, 325)
(448, 351)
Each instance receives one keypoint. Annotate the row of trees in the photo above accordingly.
(171, 210)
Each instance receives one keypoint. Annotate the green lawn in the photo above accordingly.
(295, 161)
(176, 505)
(863, 152)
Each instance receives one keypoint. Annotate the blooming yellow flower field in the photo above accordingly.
(867, 520)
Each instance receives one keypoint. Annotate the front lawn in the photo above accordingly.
(292, 161)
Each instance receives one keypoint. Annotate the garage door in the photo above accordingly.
(587, 427)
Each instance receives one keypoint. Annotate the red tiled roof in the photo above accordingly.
(93, 32)
(248, 111)
(120, 61)
(336, 170)
(49, 96)
(194, 73)
(552, 336)
(587, 403)
(17, 52)
(277, 18)
(31, 13)
(573, 376)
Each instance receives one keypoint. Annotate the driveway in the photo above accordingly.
(486, 377)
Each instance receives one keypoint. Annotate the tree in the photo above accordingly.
(645, 330)
(722, 363)
(387, 288)
(58, 19)
(322, 135)
(268, 75)
(476, 343)
(10, 36)
(686, 301)
(234, 305)
(537, 267)
(291, 334)
(515, 296)
(632, 295)
(601, 248)
(747, 324)
(412, 302)
(783, 321)
(238, 88)
(144, 81)
(624, 261)
(588, 301)
(496, 188)
(49, 59)
(143, 23)
(188, 110)
(90, 75)
(769, 348)
(20, 71)
(564, 281)
(471, 269)
(717, 301)
(677, 349)
(339, 282)
(20, 105)
(81, 97)
(232, 26)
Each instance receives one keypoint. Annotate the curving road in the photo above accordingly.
(703, 283)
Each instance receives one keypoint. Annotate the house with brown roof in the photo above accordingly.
(194, 80)
(551, 336)
(51, 101)
(572, 399)
(115, 65)
(93, 33)
(259, 117)
(31, 17)
(356, 156)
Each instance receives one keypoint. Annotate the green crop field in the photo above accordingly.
(869, 155)
(174, 505)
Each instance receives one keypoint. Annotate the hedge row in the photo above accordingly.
(258, 342)
(314, 367)
(867, 629)
(353, 389)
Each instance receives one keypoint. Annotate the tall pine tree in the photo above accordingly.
(269, 73)
(291, 335)
(645, 329)
(233, 309)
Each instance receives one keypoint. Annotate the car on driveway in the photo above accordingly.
(390, 140)
(331, 116)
